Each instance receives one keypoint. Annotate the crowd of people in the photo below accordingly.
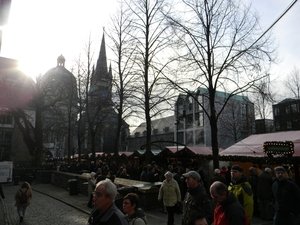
(229, 197)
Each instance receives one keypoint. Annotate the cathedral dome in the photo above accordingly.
(60, 82)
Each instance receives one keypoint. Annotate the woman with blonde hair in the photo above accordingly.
(23, 197)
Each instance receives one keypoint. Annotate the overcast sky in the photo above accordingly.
(40, 30)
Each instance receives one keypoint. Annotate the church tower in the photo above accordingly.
(101, 81)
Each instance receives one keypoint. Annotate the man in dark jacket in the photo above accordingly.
(287, 199)
(264, 194)
(196, 201)
(106, 212)
(228, 210)
(218, 177)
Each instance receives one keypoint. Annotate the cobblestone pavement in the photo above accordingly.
(53, 205)
(42, 210)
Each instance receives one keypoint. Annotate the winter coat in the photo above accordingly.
(264, 186)
(112, 216)
(230, 212)
(137, 218)
(18, 195)
(169, 192)
(242, 191)
(197, 202)
(287, 197)
(91, 186)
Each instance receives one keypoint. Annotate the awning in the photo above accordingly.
(252, 146)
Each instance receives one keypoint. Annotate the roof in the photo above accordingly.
(159, 124)
(253, 145)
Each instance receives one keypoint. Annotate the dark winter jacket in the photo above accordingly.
(112, 216)
(230, 212)
(197, 202)
(287, 197)
(264, 186)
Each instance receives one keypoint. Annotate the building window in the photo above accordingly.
(276, 111)
(155, 131)
(288, 125)
(5, 119)
(288, 110)
(166, 129)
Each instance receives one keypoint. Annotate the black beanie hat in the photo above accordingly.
(237, 167)
(279, 168)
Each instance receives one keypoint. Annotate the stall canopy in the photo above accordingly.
(252, 146)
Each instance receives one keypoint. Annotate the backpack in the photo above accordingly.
(23, 197)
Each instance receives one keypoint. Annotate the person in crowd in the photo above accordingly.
(170, 193)
(218, 177)
(253, 181)
(241, 190)
(287, 199)
(111, 176)
(200, 220)
(124, 173)
(228, 210)
(152, 176)
(135, 215)
(264, 194)
(144, 176)
(100, 175)
(106, 212)
(228, 175)
(23, 197)
(1, 192)
(91, 187)
(196, 201)
(92, 167)
(223, 171)
(204, 178)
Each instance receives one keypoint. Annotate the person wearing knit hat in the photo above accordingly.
(287, 199)
(218, 177)
(241, 189)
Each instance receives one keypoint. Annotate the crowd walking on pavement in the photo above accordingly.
(220, 202)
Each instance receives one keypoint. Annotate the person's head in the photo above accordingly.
(25, 185)
(93, 174)
(192, 179)
(104, 194)
(168, 176)
(236, 172)
(217, 172)
(200, 220)
(280, 173)
(218, 191)
(268, 170)
(252, 170)
(99, 170)
(170, 168)
(131, 202)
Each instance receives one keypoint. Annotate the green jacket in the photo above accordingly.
(242, 191)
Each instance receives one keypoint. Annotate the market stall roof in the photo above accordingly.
(175, 148)
(253, 145)
(202, 150)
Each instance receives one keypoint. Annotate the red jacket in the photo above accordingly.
(230, 212)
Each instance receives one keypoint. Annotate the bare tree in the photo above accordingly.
(263, 99)
(150, 40)
(123, 49)
(222, 49)
(292, 82)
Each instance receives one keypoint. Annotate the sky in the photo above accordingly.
(38, 31)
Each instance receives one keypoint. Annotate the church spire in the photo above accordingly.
(101, 68)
